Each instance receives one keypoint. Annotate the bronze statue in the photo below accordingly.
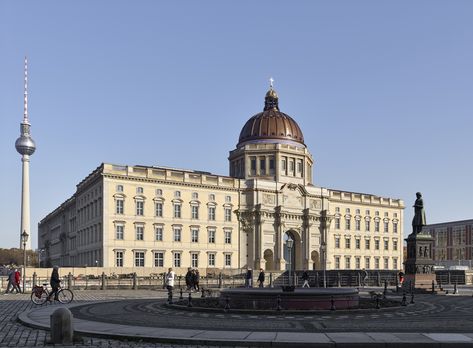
(419, 218)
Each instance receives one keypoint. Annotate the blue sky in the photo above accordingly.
(383, 92)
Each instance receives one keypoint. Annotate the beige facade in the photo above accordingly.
(136, 216)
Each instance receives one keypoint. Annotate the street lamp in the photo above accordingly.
(24, 238)
(289, 244)
(323, 248)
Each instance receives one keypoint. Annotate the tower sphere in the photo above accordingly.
(25, 145)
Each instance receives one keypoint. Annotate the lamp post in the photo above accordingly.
(289, 244)
(41, 251)
(24, 239)
(323, 248)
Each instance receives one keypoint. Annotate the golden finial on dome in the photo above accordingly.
(271, 98)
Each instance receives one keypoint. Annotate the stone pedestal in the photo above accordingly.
(419, 264)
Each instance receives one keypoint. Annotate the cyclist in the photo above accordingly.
(55, 283)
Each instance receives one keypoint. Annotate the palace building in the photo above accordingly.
(160, 217)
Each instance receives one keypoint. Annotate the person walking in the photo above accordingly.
(305, 278)
(261, 278)
(11, 280)
(249, 278)
(55, 283)
(196, 280)
(170, 276)
(189, 284)
(16, 285)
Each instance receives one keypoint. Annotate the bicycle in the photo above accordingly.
(40, 295)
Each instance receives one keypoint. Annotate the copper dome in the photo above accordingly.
(271, 124)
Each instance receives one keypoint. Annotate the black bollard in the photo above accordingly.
(203, 292)
(433, 287)
(455, 290)
(385, 288)
(377, 303)
(404, 300)
(180, 294)
(278, 307)
(332, 304)
(189, 302)
(412, 298)
(227, 304)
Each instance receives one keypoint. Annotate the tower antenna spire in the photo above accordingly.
(25, 100)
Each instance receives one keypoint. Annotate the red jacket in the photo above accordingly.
(17, 277)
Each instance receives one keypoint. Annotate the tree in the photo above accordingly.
(15, 256)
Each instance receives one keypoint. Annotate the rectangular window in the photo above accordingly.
(376, 244)
(177, 234)
(119, 206)
(119, 231)
(395, 245)
(271, 165)
(347, 224)
(284, 166)
(394, 262)
(139, 259)
(211, 260)
(367, 263)
(386, 245)
(386, 263)
(228, 260)
(177, 210)
(291, 167)
(228, 237)
(357, 243)
(357, 263)
(195, 212)
(252, 165)
(337, 223)
(158, 230)
(347, 243)
(140, 232)
(337, 262)
(367, 225)
(357, 225)
(347, 262)
(158, 259)
(394, 227)
(228, 214)
(194, 260)
(386, 227)
(195, 235)
(376, 262)
(367, 244)
(337, 242)
(212, 213)
(159, 209)
(299, 168)
(119, 258)
(376, 226)
(177, 259)
(140, 207)
(211, 236)
(262, 166)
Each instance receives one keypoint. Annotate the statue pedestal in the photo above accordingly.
(419, 270)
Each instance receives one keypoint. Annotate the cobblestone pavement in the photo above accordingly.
(14, 334)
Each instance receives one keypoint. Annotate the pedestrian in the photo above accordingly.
(196, 280)
(170, 276)
(401, 278)
(261, 278)
(11, 280)
(305, 278)
(249, 278)
(189, 284)
(55, 283)
(17, 281)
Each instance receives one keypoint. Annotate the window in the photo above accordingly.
(376, 244)
(228, 214)
(228, 237)
(139, 190)
(357, 211)
(337, 223)
(271, 165)
(337, 262)
(386, 214)
(376, 226)
(119, 206)
(262, 166)
(158, 231)
(228, 260)
(228, 199)
(252, 165)
(159, 192)
(347, 223)
(212, 213)
(367, 263)
(367, 212)
(367, 225)
(386, 227)
(195, 212)
(177, 259)
(194, 235)
(120, 189)
(139, 259)
(177, 210)
(337, 242)
(194, 260)
(347, 243)
(376, 262)
(395, 215)
(158, 259)
(118, 258)
(337, 209)
(211, 260)
(357, 225)
(119, 229)
(347, 262)
(177, 234)
(291, 167)
(357, 244)
(347, 210)
(386, 263)
(159, 209)
(394, 227)
(394, 262)
(177, 194)
(357, 263)
(395, 245)
(195, 195)
(284, 166)
(367, 244)
(140, 232)
(299, 168)
(211, 236)
(139, 207)
(376, 213)
(386, 245)
(211, 197)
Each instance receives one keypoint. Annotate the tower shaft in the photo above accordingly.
(25, 200)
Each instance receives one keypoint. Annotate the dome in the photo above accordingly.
(271, 125)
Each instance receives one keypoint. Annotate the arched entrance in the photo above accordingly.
(269, 258)
(292, 255)
(314, 256)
